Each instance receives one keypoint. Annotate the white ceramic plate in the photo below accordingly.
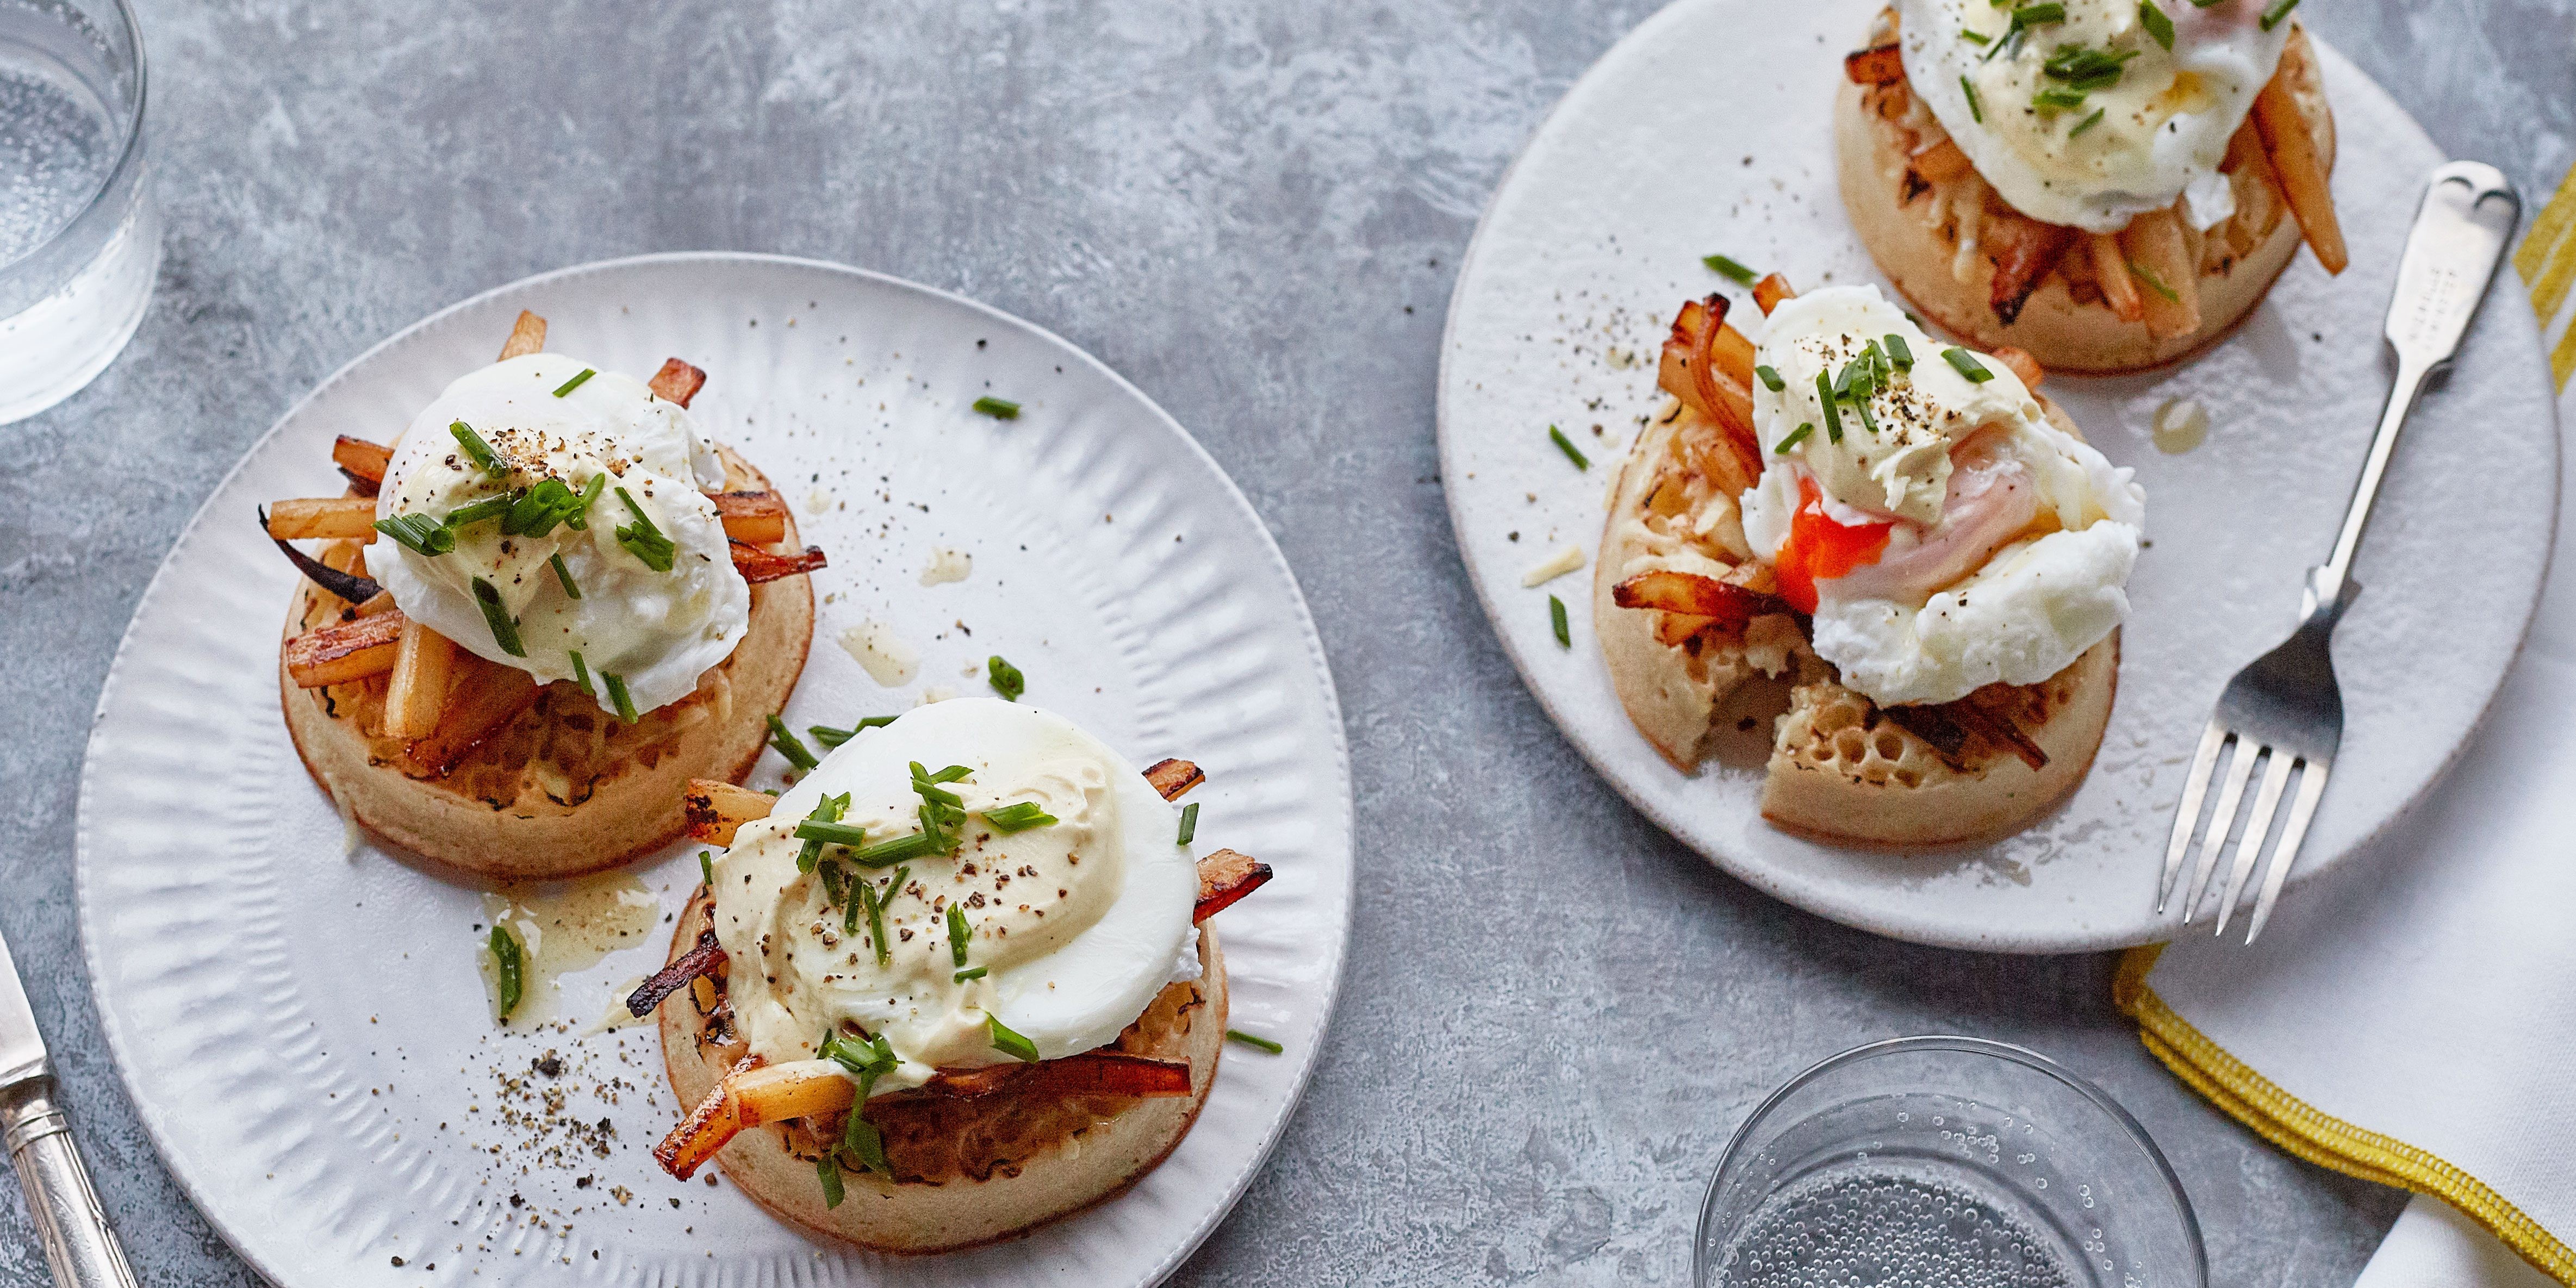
(1707, 130)
(302, 1027)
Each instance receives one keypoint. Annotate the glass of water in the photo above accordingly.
(1945, 1161)
(80, 239)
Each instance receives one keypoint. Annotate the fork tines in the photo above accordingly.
(2278, 764)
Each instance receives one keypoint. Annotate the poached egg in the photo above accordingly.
(1942, 533)
(2089, 112)
(1072, 925)
(641, 460)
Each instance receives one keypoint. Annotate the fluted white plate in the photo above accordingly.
(1708, 129)
(302, 1027)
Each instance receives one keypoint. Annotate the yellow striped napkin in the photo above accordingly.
(2413, 1021)
(2547, 262)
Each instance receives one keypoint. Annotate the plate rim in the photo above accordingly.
(1931, 931)
(155, 1120)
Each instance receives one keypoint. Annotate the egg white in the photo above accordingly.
(1075, 997)
(658, 631)
(2033, 606)
(2164, 127)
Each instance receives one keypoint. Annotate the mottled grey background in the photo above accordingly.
(1553, 1015)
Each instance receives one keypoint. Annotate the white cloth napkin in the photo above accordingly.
(2433, 1244)
(2413, 1019)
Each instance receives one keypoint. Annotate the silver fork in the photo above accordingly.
(2284, 709)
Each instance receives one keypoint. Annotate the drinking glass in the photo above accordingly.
(1945, 1160)
(80, 239)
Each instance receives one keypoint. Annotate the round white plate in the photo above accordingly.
(1707, 130)
(302, 1025)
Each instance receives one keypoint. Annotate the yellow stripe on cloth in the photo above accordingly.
(2547, 227)
(2547, 262)
(2320, 1138)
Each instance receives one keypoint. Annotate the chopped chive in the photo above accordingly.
(1898, 353)
(971, 972)
(998, 408)
(419, 533)
(2153, 282)
(2088, 123)
(2058, 97)
(1189, 823)
(1009, 1043)
(490, 507)
(831, 737)
(505, 632)
(563, 575)
(789, 745)
(829, 1173)
(1976, 106)
(1556, 621)
(2157, 24)
(919, 845)
(644, 541)
(1833, 417)
(1005, 678)
(1795, 437)
(1566, 445)
(826, 811)
(1770, 379)
(1966, 364)
(617, 697)
(1728, 269)
(707, 868)
(874, 901)
(1975, 37)
(959, 935)
(836, 894)
(2033, 15)
(577, 516)
(574, 383)
(537, 510)
(831, 831)
(2086, 69)
(1253, 1040)
(949, 775)
(1865, 421)
(476, 449)
(509, 967)
(581, 674)
(861, 1141)
(867, 1059)
(1019, 818)
(2272, 17)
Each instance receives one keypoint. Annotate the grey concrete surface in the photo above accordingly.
(1554, 1015)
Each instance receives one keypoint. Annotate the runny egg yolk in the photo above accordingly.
(1821, 549)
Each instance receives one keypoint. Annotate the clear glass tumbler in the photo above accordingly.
(80, 239)
(1945, 1161)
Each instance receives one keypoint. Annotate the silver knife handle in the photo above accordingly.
(69, 1221)
(2468, 215)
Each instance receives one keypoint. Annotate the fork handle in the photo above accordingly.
(2468, 215)
(2327, 583)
